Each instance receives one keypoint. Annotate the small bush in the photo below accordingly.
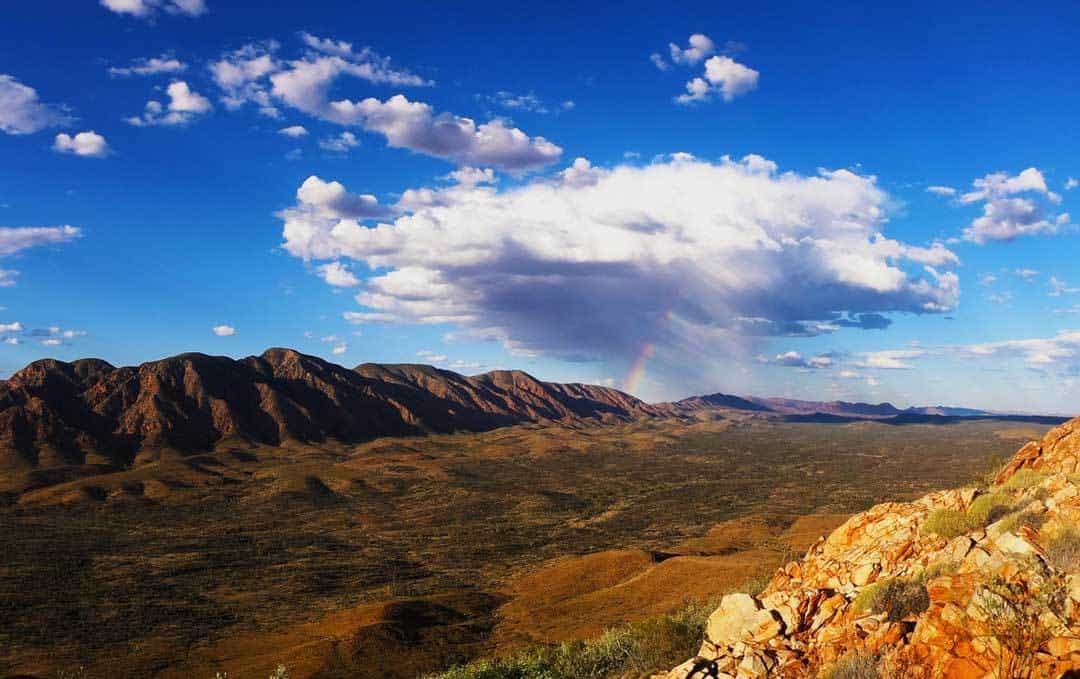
(1013, 522)
(854, 666)
(936, 570)
(1023, 479)
(896, 597)
(948, 523)
(634, 649)
(988, 508)
(1063, 551)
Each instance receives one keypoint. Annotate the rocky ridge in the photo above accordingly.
(973, 583)
(55, 414)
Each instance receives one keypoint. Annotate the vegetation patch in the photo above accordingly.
(853, 666)
(635, 649)
(1023, 479)
(1063, 551)
(1015, 521)
(898, 598)
(984, 510)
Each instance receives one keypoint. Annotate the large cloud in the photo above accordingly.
(15, 239)
(184, 106)
(686, 255)
(21, 112)
(255, 74)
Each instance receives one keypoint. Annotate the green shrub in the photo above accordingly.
(636, 649)
(896, 597)
(936, 570)
(1023, 479)
(988, 508)
(1063, 551)
(1012, 522)
(948, 523)
(854, 666)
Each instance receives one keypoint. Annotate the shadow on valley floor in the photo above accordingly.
(402, 556)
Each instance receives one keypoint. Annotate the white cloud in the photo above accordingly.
(145, 9)
(659, 62)
(338, 275)
(793, 359)
(11, 327)
(988, 279)
(294, 131)
(1059, 287)
(941, 190)
(52, 342)
(330, 200)
(1058, 351)
(415, 126)
(1000, 297)
(1071, 183)
(699, 47)
(432, 357)
(150, 66)
(21, 112)
(339, 144)
(254, 74)
(184, 106)
(224, 330)
(471, 176)
(723, 75)
(1013, 206)
(18, 238)
(688, 255)
(88, 144)
(895, 359)
(14, 341)
(1026, 274)
(340, 349)
(527, 102)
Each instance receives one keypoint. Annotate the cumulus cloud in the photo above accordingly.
(691, 256)
(340, 349)
(294, 131)
(145, 9)
(89, 144)
(1013, 206)
(723, 76)
(699, 46)
(329, 200)
(21, 112)
(338, 275)
(255, 74)
(184, 106)
(11, 327)
(339, 144)
(224, 330)
(149, 66)
(1071, 183)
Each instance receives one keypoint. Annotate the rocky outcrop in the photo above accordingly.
(974, 583)
(54, 413)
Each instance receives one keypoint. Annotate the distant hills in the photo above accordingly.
(88, 412)
(795, 410)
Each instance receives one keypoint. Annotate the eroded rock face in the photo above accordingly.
(54, 413)
(961, 607)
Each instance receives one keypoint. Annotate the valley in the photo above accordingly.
(398, 556)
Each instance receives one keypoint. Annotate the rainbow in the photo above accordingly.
(637, 368)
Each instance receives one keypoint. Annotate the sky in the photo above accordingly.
(843, 202)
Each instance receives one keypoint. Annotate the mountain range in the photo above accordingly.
(54, 413)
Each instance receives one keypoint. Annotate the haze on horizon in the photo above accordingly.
(851, 203)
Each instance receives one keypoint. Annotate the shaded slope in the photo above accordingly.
(54, 413)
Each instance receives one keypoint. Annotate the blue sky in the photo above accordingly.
(752, 209)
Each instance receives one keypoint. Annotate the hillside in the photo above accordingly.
(971, 583)
(56, 414)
